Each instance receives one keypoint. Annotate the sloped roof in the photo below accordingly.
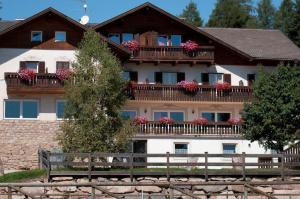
(257, 43)
(6, 24)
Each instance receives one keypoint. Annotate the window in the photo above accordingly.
(209, 116)
(216, 117)
(251, 79)
(126, 75)
(162, 40)
(178, 116)
(229, 148)
(128, 114)
(181, 148)
(176, 40)
(130, 76)
(36, 36)
(21, 109)
(223, 117)
(115, 38)
(60, 36)
(60, 109)
(215, 78)
(169, 78)
(127, 37)
(62, 65)
(33, 65)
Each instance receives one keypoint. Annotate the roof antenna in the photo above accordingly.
(85, 18)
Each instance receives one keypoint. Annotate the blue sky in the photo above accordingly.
(98, 10)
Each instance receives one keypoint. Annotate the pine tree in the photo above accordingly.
(94, 98)
(232, 14)
(284, 19)
(191, 15)
(266, 14)
(296, 35)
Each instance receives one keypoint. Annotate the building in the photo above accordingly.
(46, 42)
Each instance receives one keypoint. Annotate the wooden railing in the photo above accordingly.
(189, 128)
(294, 149)
(157, 92)
(173, 53)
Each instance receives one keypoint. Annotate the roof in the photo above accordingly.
(6, 24)
(257, 43)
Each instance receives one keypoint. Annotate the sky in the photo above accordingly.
(99, 10)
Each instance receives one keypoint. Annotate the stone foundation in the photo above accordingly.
(21, 139)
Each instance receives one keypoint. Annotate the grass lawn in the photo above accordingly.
(21, 175)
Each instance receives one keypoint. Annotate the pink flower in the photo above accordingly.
(190, 46)
(27, 74)
(223, 86)
(140, 120)
(63, 74)
(166, 120)
(234, 121)
(189, 86)
(132, 45)
(200, 121)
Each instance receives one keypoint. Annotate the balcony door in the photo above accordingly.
(178, 116)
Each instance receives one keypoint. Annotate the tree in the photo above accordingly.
(232, 14)
(94, 98)
(273, 118)
(296, 32)
(191, 15)
(284, 19)
(266, 14)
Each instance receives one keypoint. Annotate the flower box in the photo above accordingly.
(234, 121)
(132, 45)
(27, 74)
(190, 46)
(166, 120)
(223, 86)
(138, 120)
(63, 74)
(189, 86)
(200, 121)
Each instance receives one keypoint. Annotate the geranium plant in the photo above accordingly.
(223, 86)
(63, 74)
(138, 120)
(190, 46)
(200, 121)
(132, 45)
(234, 121)
(166, 120)
(189, 86)
(27, 74)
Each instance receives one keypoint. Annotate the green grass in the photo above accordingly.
(21, 175)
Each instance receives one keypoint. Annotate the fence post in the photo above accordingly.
(168, 166)
(48, 166)
(282, 166)
(245, 192)
(244, 165)
(131, 167)
(206, 165)
(39, 158)
(93, 193)
(9, 192)
(90, 167)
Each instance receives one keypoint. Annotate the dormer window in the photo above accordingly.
(36, 36)
(60, 36)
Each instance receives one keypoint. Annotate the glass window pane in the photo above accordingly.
(30, 109)
(209, 116)
(170, 78)
(115, 38)
(176, 40)
(158, 115)
(60, 36)
(126, 75)
(177, 116)
(181, 148)
(128, 114)
(229, 148)
(32, 65)
(127, 37)
(62, 65)
(162, 40)
(60, 109)
(12, 109)
(36, 36)
(215, 78)
(223, 117)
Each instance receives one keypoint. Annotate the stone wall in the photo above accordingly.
(21, 139)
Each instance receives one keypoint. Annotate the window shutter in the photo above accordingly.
(227, 78)
(22, 65)
(133, 75)
(158, 77)
(41, 67)
(180, 77)
(205, 79)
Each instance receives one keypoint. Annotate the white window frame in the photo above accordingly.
(188, 147)
(235, 144)
(21, 109)
(168, 111)
(215, 112)
(64, 32)
(56, 108)
(36, 31)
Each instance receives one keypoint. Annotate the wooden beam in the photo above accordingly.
(260, 192)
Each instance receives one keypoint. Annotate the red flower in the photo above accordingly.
(223, 86)
(27, 74)
(200, 121)
(166, 120)
(189, 86)
(63, 74)
(234, 121)
(140, 120)
(190, 46)
(132, 45)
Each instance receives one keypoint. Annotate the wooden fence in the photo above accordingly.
(134, 164)
(294, 150)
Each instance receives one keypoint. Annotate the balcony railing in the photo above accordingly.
(41, 83)
(171, 53)
(156, 92)
(189, 128)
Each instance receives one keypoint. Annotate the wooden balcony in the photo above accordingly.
(41, 84)
(189, 128)
(156, 92)
(173, 54)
